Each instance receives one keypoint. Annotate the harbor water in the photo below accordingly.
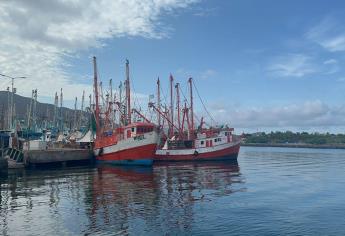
(269, 191)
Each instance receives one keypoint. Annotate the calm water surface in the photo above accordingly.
(269, 191)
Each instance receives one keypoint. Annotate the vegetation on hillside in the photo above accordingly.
(289, 137)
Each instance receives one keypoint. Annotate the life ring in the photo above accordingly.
(196, 153)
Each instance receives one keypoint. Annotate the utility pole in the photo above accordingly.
(11, 101)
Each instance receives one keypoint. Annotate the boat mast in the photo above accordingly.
(120, 105)
(177, 86)
(29, 112)
(56, 102)
(111, 113)
(61, 113)
(158, 101)
(101, 93)
(75, 113)
(128, 94)
(191, 107)
(171, 105)
(8, 109)
(12, 101)
(95, 84)
(34, 113)
(81, 117)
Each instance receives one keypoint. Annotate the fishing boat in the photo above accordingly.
(123, 142)
(187, 143)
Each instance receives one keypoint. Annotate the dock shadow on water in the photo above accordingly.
(114, 200)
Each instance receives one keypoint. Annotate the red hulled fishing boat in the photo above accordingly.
(185, 143)
(123, 142)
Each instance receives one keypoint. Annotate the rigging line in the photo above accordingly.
(202, 102)
(186, 100)
(164, 96)
(136, 101)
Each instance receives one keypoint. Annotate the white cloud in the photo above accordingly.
(204, 74)
(207, 74)
(329, 34)
(299, 115)
(292, 65)
(37, 36)
(330, 62)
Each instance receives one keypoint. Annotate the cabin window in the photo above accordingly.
(226, 133)
(133, 129)
(219, 139)
(202, 142)
(215, 140)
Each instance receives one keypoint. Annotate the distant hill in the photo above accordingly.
(45, 111)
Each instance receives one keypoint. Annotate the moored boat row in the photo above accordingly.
(120, 139)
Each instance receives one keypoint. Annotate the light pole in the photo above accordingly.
(13, 90)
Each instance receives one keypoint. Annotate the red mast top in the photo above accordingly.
(128, 94)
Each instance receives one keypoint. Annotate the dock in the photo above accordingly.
(57, 155)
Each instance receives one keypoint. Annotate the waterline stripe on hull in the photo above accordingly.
(141, 162)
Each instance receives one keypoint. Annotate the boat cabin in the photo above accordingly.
(137, 129)
(218, 138)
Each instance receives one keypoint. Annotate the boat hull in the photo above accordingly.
(228, 151)
(141, 155)
(142, 162)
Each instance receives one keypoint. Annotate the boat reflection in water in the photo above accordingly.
(158, 200)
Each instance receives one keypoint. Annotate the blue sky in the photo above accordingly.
(259, 65)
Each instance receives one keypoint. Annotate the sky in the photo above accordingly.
(258, 65)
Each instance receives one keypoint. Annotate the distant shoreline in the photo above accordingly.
(295, 145)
